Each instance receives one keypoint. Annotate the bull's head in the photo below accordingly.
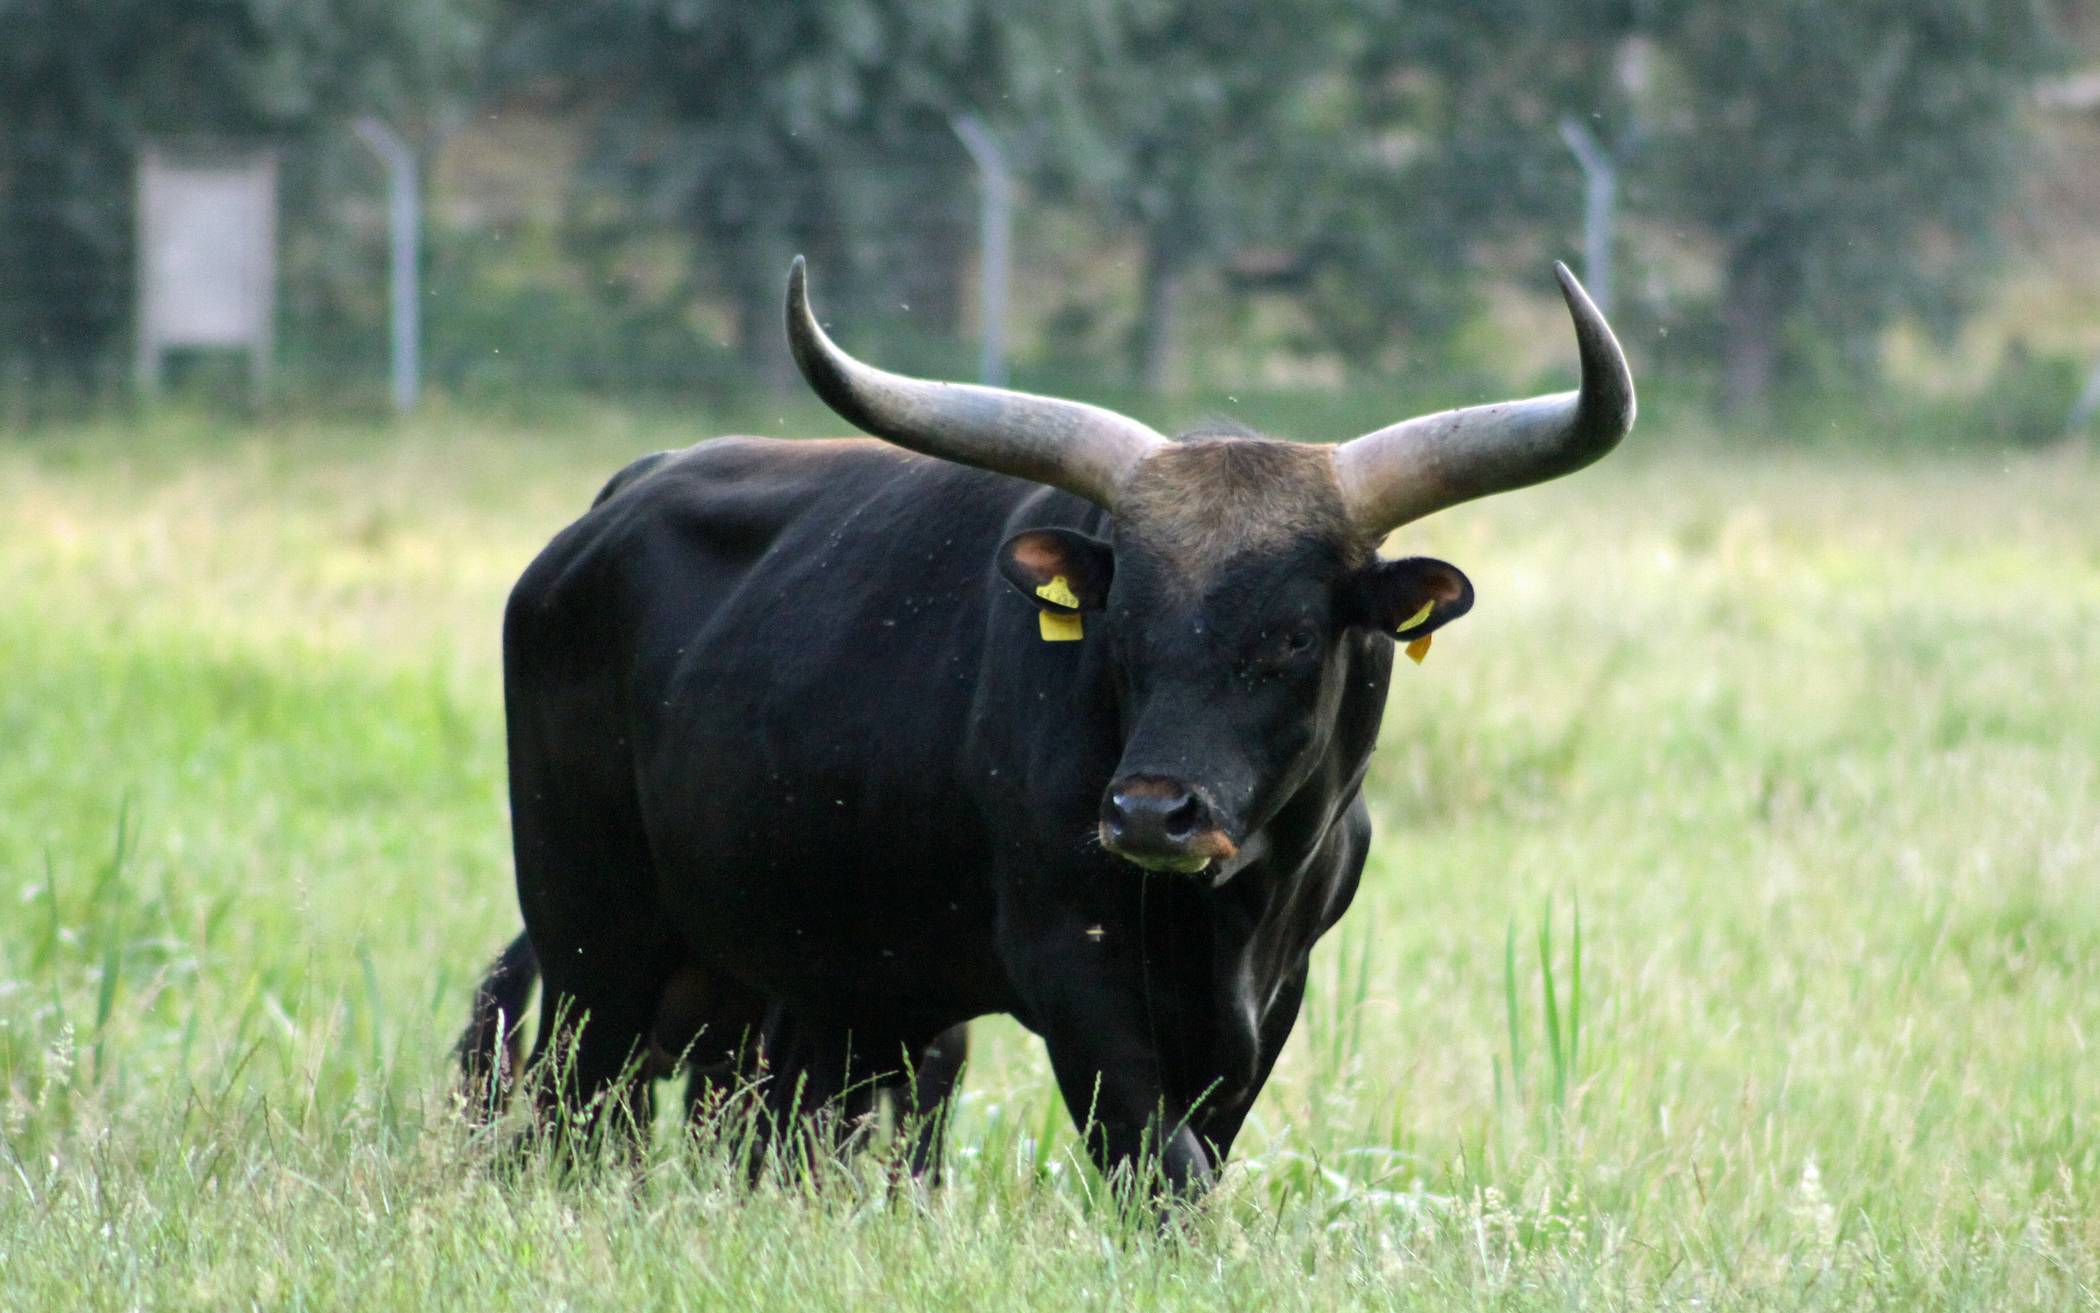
(1241, 588)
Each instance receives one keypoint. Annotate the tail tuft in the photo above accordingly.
(488, 1048)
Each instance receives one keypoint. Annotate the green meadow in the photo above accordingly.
(1731, 940)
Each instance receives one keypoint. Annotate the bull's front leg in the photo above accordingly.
(1133, 1128)
(1136, 1127)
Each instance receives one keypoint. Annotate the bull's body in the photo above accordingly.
(819, 750)
(775, 719)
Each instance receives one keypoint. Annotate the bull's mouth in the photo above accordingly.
(1201, 853)
(1192, 864)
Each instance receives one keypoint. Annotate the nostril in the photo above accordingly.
(1115, 818)
(1184, 818)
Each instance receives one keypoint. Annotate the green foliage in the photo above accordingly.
(1201, 147)
(2029, 398)
(1457, 111)
(763, 131)
(85, 84)
(1325, 183)
(1853, 162)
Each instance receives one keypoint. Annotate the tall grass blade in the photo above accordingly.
(1575, 994)
(1360, 995)
(109, 886)
(1509, 1002)
(372, 1009)
(1553, 1045)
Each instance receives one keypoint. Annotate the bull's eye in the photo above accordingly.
(1279, 652)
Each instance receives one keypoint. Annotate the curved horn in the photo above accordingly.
(1421, 465)
(1082, 449)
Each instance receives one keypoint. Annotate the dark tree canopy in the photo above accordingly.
(1851, 161)
(1362, 164)
(84, 84)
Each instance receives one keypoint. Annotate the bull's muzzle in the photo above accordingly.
(1163, 825)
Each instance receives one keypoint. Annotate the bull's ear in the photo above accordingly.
(1059, 569)
(1409, 599)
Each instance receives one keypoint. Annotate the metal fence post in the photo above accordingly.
(403, 222)
(995, 237)
(1600, 177)
(2087, 405)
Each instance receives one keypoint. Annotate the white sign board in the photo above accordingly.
(207, 247)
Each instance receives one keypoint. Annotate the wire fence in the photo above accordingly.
(501, 265)
(514, 269)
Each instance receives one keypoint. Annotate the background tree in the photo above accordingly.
(1195, 122)
(1850, 161)
(85, 83)
(1368, 163)
(1449, 149)
(760, 131)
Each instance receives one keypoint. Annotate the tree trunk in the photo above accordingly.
(1159, 314)
(1750, 327)
(62, 260)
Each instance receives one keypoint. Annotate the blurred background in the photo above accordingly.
(1883, 216)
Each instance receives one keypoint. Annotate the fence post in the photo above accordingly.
(995, 243)
(2088, 403)
(1600, 178)
(403, 223)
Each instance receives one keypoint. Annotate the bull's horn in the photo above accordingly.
(1080, 448)
(1405, 472)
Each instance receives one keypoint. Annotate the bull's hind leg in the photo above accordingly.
(591, 1063)
(809, 1094)
(604, 975)
(823, 1087)
(586, 888)
(710, 1025)
(816, 1089)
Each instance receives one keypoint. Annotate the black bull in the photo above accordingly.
(820, 749)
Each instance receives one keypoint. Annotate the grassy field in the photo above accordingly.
(1808, 741)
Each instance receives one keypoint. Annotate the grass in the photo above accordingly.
(1731, 938)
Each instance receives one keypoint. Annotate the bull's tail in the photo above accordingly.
(488, 1049)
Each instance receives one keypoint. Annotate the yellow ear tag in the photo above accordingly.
(1058, 626)
(1418, 649)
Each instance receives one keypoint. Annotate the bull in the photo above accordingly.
(819, 749)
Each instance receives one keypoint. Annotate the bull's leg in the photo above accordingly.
(804, 1090)
(805, 1074)
(1094, 1008)
(727, 1072)
(824, 1084)
(928, 1099)
(587, 890)
(708, 1024)
(604, 956)
(1111, 1076)
(1135, 1132)
(590, 1064)
(1219, 1116)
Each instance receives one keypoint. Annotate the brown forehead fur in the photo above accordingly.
(1208, 498)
